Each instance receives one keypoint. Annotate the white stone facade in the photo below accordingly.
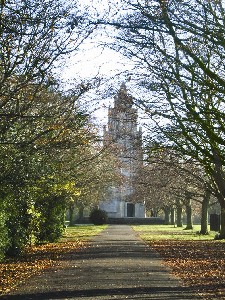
(126, 139)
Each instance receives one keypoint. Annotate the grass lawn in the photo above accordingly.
(198, 260)
(36, 258)
(81, 232)
(161, 232)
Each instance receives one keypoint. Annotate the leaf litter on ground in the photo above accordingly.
(34, 260)
(198, 262)
(37, 258)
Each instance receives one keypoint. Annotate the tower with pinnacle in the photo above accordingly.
(125, 138)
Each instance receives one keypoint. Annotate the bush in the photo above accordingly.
(3, 236)
(51, 223)
(17, 224)
(98, 217)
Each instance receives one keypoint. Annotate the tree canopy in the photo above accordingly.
(178, 47)
(46, 138)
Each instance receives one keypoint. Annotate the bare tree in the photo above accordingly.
(180, 49)
(169, 182)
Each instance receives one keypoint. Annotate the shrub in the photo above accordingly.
(51, 223)
(17, 224)
(98, 217)
(3, 236)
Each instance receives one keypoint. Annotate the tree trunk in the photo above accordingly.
(154, 213)
(204, 213)
(172, 216)
(81, 212)
(222, 218)
(167, 215)
(179, 216)
(71, 211)
(189, 215)
(219, 178)
(221, 201)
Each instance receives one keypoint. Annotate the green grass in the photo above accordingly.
(169, 232)
(81, 232)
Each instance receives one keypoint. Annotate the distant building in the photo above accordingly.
(125, 139)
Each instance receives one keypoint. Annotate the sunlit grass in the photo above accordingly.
(169, 232)
(81, 232)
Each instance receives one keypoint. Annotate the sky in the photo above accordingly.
(106, 64)
(93, 60)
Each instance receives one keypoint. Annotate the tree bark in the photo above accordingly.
(172, 216)
(189, 215)
(222, 220)
(219, 178)
(71, 211)
(167, 215)
(204, 213)
(81, 212)
(179, 216)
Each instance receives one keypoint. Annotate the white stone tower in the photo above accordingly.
(126, 140)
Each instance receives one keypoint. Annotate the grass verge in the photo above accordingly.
(37, 258)
(198, 260)
(165, 232)
(81, 232)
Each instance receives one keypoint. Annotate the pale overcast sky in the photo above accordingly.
(94, 60)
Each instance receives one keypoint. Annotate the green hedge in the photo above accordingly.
(4, 241)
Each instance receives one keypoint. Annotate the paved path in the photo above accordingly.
(118, 265)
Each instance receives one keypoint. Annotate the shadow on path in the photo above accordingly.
(117, 265)
(133, 293)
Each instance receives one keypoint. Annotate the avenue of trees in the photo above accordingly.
(51, 159)
(51, 156)
(179, 49)
(175, 187)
